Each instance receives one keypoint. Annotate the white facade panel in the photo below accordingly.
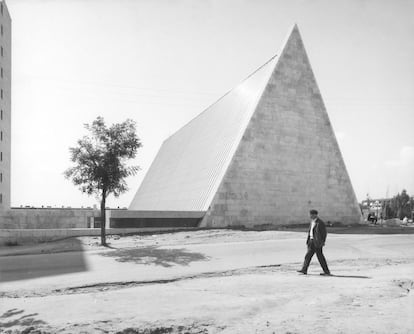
(190, 164)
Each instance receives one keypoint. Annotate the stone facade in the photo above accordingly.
(47, 218)
(288, 160)
(5, 106)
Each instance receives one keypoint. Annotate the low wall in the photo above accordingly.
(11, 237)
(39, 218)
(32, 225)
(143, 219)
(69, 218)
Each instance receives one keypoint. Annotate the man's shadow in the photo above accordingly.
(342, 276)
(351, 276)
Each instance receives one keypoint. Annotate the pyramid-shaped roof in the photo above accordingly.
(265, 153)
(190, 164)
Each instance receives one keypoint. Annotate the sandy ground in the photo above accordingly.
(210, 282)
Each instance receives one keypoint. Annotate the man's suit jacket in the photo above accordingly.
(319, 234)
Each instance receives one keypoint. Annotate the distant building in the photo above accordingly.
(5, 106)
(263, 154)
(374, 207)
(382, 207)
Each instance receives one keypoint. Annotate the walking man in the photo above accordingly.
(315, 242)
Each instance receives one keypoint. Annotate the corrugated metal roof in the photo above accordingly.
(190, 164)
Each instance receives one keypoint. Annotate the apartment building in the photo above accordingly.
(5, 105)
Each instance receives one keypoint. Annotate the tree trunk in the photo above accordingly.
(103, 219)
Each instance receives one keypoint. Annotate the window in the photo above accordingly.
(1, 30)
(1, 156)
(1, 93)
(1, 74)
(1, 51)
(1, 198)
(1, 114)
(1, 177)
(1, 9)
(1, 135)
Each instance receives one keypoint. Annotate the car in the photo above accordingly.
(372, 218)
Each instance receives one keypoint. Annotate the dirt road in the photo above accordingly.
(213, 282)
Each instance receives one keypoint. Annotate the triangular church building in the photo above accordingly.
(263, 154)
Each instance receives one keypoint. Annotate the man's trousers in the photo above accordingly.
(308, 257)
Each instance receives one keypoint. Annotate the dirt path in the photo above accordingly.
(368, 294)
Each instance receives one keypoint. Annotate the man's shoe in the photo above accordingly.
(325, 274)
(302, 272)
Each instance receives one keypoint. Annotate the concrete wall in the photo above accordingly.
(46, 218)
(145, 219)
(28, 236)
(288, 160)
(40, 218)
(25, 226)
(5, 107)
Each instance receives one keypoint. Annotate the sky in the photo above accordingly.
(161, 63)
